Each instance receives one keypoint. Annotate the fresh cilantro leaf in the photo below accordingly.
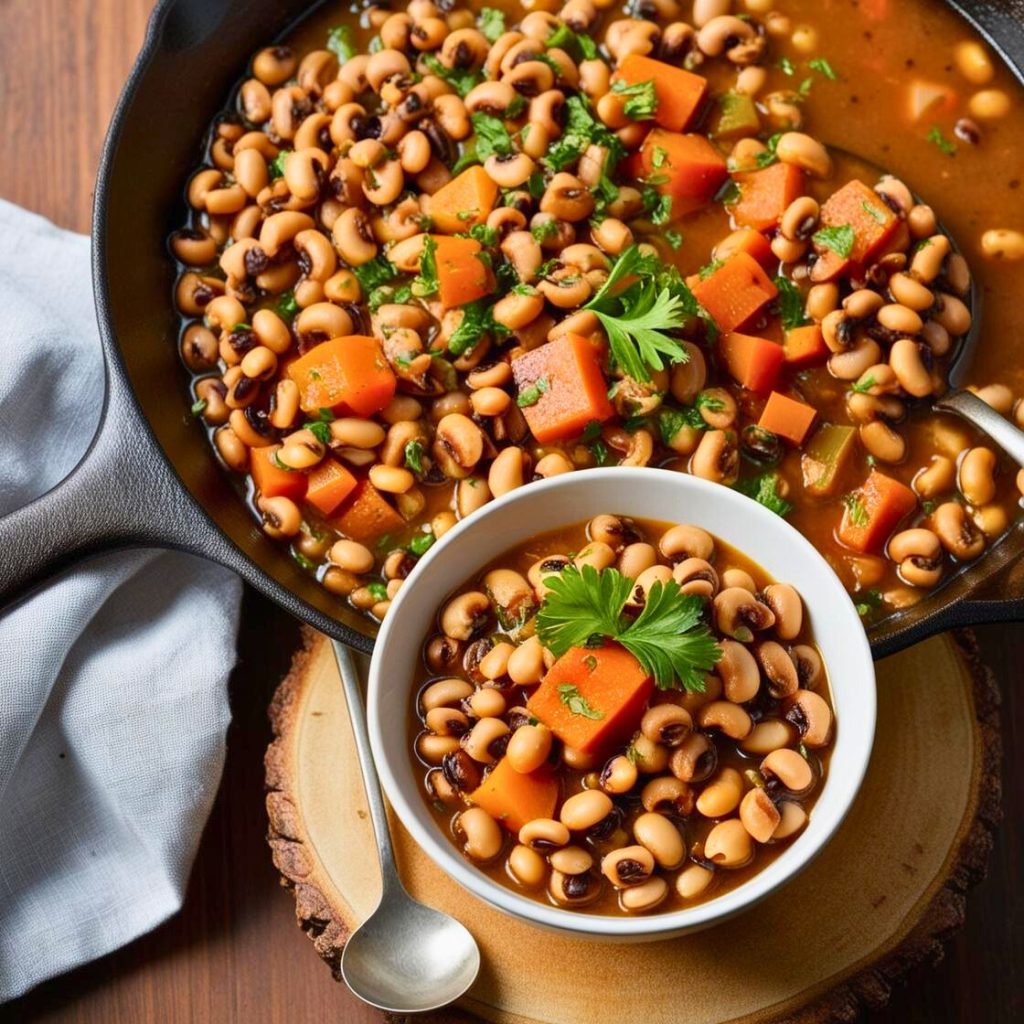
(531, 395)
(199, 407)
(805, 87)
(476, 321)
(276, 166)
(422, 543)
(378, 271)
(786, 66)
(577, 704)
(579, 604)
(545, 230)
(461, 81)
(674, 239)
(769, 156)
(579, 47)
(485, 235)
(426, 282)
(730, 193)
(821, 65)
(490, 138)
(862, 387)
(636, 318)
(839, 239)
(641, 100)
(303, 561)
(764, 490)
(287, 307)
(855, 510)
(414, 455)
(600, 452)
(671, 421)
(491, 23)
(582, 129)
(378, 591)
(708, 269)
(657, 206)
(709, 402)
(340, 42)
(790, 303)
(658, 157)
(872, 211)
(945, 145)
(320, 430)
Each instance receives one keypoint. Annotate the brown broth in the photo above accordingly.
(695, 828)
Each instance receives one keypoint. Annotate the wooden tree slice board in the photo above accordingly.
(881, 898)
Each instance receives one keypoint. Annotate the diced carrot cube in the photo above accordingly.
(873, 512)
(805, 346)
(765, 194)
(686, 167)
(614, 687)
(735, 292)
(753, 243)
(513, 798)
(464, 202)
(347, 374)
(679, 93)
(462, 275)
(366, 514)
(753, 362)
(787, 418)
(330, 483)
(861, 208)
(271, 480)
(561, 388)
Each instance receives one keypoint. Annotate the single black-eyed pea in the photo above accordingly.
(792, 818)
(792, 771)
(482, 835)
(628, 866)
(721, 795)
(646, 896)
(619, 775)
(660, 836)
(527, 866)
(695, 759)
(583, 811)
(811, 716)
(729, 845)
(693, 881)
(759, 815)
(529, 748)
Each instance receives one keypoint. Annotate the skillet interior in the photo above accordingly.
(194, 53)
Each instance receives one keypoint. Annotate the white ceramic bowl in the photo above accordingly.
(645, 493)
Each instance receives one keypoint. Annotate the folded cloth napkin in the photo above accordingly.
(113, 703)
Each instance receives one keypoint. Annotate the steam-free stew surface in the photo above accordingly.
(886, 80)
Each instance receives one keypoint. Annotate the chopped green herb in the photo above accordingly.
(769, 156)
(928, 507)
(591, 432)
(632, 755)
(674, 239)
(600, 452)
(579, 47)
(708, 269)
(804, 89)
(764, 490)
(421, 543)
(303, 561)
(730, 193)
(872, 211)
(378, 591)
(667, 637)
(590, 662)
(460, 80)
(477, 320)
(870, 600)
(286, 307)
(862, 387)
(709, 402)
(426, 282)
(531, 395)
(340, 42)
(821, 65)
(577, 704)
(658, 157)
(414, 455)
(786, 66)
(545, 230)
(641, 100)
(790, 303)
(276, 166)
(490, 138)
(657, 206)
(491, 23)
(855, 510)
(839, 239)
(485, 235)
(198, 408)
(671, 421)
(378, 271)
(320, 430)
(945, 145)
(582, 129)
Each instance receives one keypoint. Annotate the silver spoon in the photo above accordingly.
(405, 957)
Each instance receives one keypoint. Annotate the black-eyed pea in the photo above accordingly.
(465, 614)
(508, 470)
(899, 318)
(668, 795)
(596, 554)
(628, 866)
(636, 558)
(527, 866)
(526, 663)
(973, 62)
(567, 198)
(800, 219)
(552, 464)
(998, 396)
(810, 669)
(977, 475)
(821, 300)
(929, 258)
(210, 396)
(486, 702)
(693, 881)
(804, 152)
(494, 664)
(649, 757)
(481, 834)
(571, 860)
(721, 795)
(907, 363)
(486, 740)
(769, 734)
(738, 670)
(991, 520)
(957, 532)
(759, 815)
(716, 458)
(231, 449)
(1003, 244)
(696, 576)
(695, 759)
(249, 431)
(952, 313)
(578, 760)
(391, 479)
(582, 811)
(788, 608)
(649, 895)
(792, 818)
(735, 577)
(433, 749)
(447, 722)
(739, 614)
(667, 724)
(882, 441)
(686, 541)
(910, 293)
(529, 748)
(619, 775)
(352, 556)
(573, 890)
(921, 221)
(938, 477)
(643, 584)
(729, 845)
(661, 838)
(990, 104)
(811, 716)
(393, 587)
(790, 769)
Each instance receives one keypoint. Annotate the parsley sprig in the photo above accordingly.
(667, 637)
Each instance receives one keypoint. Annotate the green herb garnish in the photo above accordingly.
(579, 47)
(839, 239)
(936, 138)
(421, 543)
(414, 455)
(477, 320)
(855, 510)
(275, 167)
(862, 387)
(870, 600)
(872, 211)
(426, 282)
(822, 66)
(790, 303)
(461, 81)
(641, 100)
(577, 704)
(531, 395)
(671, 421)
(286, 307)
(198, 408)
(764, 490)
(378, 591)
(378, 271)
(491, 23)
(320, 430)
(667, 637)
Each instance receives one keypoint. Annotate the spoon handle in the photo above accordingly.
(353, 688)
(984, 417)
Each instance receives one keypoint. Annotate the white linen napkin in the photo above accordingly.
(113, 703)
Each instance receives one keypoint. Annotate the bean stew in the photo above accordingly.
(435, 251)
(622, 716)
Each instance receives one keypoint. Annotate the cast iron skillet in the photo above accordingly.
(149, 478)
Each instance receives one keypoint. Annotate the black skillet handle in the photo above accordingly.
(121, 494)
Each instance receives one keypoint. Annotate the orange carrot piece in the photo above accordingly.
(329, 484)
(613, 684)
(754, 362)
(347, 374)
(513, 798)
(270, 479)
(686, 167)
(462, 276)
(866, 212)
(679, 93)
(736, 292)
(765, 194)
(753, 243)
(464, 202)
(562, 388)
(804, 346)
(872, 513)
(366, 515)
(787, 417)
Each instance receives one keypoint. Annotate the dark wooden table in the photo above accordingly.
(234, 952)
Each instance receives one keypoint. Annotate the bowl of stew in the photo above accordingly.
(625, 703)
(433, 255)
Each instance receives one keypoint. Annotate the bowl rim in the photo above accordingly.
(658, 924)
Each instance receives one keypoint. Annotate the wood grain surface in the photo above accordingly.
(234, 952)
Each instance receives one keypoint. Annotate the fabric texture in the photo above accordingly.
(113, 701)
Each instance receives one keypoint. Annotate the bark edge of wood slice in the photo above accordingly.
(873, 932)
